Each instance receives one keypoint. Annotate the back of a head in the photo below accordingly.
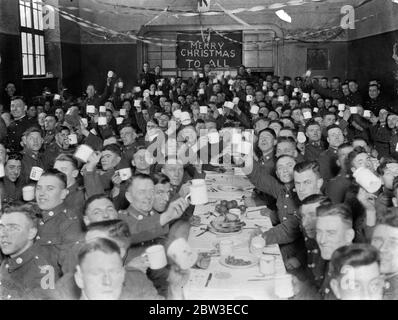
(354, 255)
(118, 230)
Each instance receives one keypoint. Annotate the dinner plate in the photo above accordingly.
(232, 188)
(212, 229)
(253, 261)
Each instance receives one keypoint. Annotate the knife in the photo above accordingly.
(208, 279)
(198, 235)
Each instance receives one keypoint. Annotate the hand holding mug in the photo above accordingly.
(185, 189)
(93, 160)
(139, 263)
(116, 179)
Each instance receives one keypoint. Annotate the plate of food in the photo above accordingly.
(239, 261)
(226, 223)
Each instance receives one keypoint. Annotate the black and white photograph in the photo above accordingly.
(216, 151)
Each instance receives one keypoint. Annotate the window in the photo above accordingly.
(165, 55)
(32, 38)
(258, 50)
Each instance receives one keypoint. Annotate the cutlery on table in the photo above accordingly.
(208, 279)
(198, 235)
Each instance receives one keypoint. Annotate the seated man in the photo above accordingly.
(31, 156)
(69, 166)
(140, 216)
(355, 273)
(26, 264)
(315, 263)
(128, 136)
(60, 145)
(12, 183)
(334, 229)
(60, 227)
(116, 231)
(100, 181)
(385, 239)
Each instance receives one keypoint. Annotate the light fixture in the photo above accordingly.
(283, 16)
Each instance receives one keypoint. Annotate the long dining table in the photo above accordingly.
(220, 281)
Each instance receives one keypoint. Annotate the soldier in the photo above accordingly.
(385, 239)
(20, 124)
(12, 184)
(60, 227)
(315, 146)
(128, 136)
(337, 187)
(50, 123)
(27, 264)
(307, 213)
(328, 158)
(75, 199)
(355, 273)
(334, 229)
(31, 156)
(60, 145)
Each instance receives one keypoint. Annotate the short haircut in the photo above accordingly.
(390, 218)
(352, 155)
(311, 123)
(340, 210)
(14, 156)
(316, 198)
(344, 145)
(31, 130)
(57, 174)
(354, 255)
(127, 125)
(93, 198)
(284, 156)
(308, 165)
(140, 176)
(383, 164)
(30, 210)
(117, 229)
(61, 128)
(114, 148)
(286, 139)
(160, 178)
(104, 245)
(270, 131)
(331, 127)
(276, 121)
(67, 158)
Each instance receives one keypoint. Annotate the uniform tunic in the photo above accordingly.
(58, 230)
(28, 269)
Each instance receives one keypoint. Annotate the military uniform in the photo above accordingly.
(315, 263)
(15, 131)
(381, 136)
(128, 153)
(391, 289)
(313, 150)
(336, 188)
(58, 230)
(11, 191)
(325, 290)
(28, 269)
(328, 165)
(75, 199)
(286, 231)
(266, 163)
(29, 160)
(48, 138)
(52, 152)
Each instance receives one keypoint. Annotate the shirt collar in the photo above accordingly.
(13, 264)
(139, 215)
(49, 214)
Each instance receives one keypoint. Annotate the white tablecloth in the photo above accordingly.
(227, 283)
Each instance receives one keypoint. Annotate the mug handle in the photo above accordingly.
(188, 196)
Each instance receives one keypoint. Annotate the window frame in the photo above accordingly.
(35, 51)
